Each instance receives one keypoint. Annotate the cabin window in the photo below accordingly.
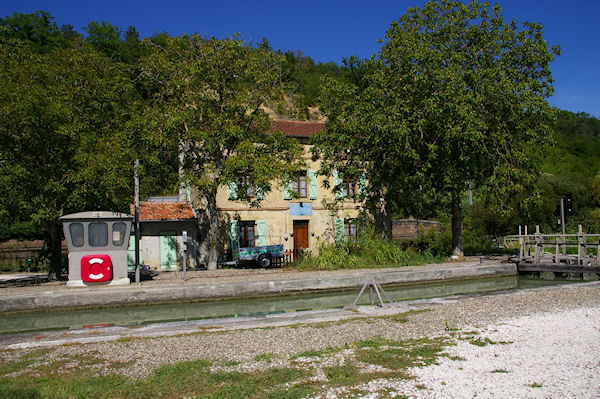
(247, 232)
(98, 234)
(118, 233)
(76, 231)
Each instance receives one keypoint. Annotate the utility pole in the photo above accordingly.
(136, 219)
(562, 222)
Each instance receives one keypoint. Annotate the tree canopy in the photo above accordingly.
(456, 96)
(209, 103)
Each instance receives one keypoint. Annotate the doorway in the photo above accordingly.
(168, 250)
(300, 237)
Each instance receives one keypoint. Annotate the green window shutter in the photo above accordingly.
(287, 191)
(261, 232)
(337, 185)
(339, 230)
(232, 191)
(362, 184)
(312, 184)
(260, 194)
(234, 238)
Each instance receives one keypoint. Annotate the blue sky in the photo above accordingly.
(331, 30)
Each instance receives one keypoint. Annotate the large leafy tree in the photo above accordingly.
(38, 29)
(62, 146)
(457, 97)
(208, 102)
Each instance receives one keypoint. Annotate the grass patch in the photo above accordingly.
(403, 317)
(401, 355)
(535, 385)
(186, 379)
(264, 357)
(25, 361)
(486, 341)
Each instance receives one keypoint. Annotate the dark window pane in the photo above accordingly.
(76, 231)
(98, 234)
(247, 233)
(118, 233)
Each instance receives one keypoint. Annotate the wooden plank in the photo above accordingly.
(540, 267)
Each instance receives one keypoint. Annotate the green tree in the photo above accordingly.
(105, 37)
(208, 103)
(37, 28)
(457, 96)
(62, 146)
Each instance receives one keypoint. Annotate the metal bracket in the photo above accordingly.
(373, 286)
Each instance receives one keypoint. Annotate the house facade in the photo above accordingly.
(295, 214)
(163, 221)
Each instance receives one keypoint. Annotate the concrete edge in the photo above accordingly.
(138, 295)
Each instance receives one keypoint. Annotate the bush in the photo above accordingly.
(368, 250)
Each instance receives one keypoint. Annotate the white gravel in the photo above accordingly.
(553, 355)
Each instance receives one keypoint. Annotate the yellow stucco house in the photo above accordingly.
(302, 221)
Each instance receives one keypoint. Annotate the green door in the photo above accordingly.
(168, 250)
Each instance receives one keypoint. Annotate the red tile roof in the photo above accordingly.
(155, 210)
(297, 128)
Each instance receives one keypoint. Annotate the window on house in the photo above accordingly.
(247, 231)
(299, 185)
(348, 187)
(350, 230)
(246, 184)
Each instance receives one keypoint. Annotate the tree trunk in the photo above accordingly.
(212, 222)
(383, 221)
(457, 218)
(54, 231)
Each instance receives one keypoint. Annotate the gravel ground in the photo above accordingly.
(554, 348)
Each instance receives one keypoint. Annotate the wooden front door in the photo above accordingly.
(300, 236)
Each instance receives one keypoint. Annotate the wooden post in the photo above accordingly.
(562, 222)
(526, 242)
(556, 251)
(580, 245)
(538, 244)
(521, 245)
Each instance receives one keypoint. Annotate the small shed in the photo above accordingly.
(97, 243)
(163, 221)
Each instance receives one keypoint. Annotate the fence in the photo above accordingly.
(572, 249)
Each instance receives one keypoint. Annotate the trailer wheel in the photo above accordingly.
(264, 260)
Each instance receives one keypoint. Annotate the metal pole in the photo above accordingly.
(137, 220)
(562, 222)
(184, 240)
